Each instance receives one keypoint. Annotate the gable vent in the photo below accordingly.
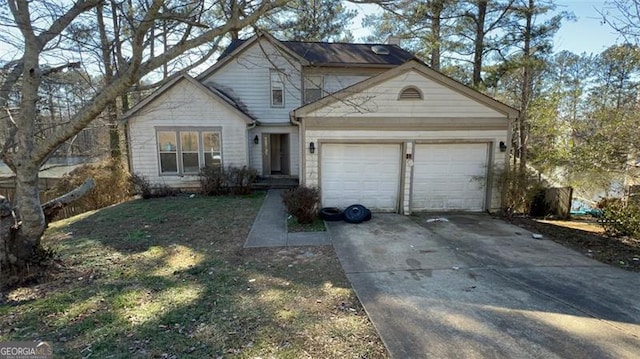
(410, 93)
(379, 50)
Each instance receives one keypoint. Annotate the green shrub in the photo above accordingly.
(112, 185)
(302, 203)
(216, 180)
(620, 218)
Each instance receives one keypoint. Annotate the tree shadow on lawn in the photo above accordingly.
(175, 280)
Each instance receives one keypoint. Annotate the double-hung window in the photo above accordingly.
(312, 88)
(186, 151)
(277, 89)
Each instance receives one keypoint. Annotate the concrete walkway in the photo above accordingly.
(269, 229)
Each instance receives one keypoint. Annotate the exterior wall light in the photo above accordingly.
(256, 140)
(312, 147)
(503, 147)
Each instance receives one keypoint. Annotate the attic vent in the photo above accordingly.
(410, 93)
(379, 50)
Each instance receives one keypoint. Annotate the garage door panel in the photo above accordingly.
(368, 174)
(449, 177)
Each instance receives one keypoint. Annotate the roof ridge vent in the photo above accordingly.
(380, 50)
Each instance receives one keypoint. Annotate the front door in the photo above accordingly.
(275, 154)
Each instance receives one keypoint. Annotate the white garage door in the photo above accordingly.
(360, 173)
(449, 177)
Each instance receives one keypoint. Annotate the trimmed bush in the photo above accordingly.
(218, 181)
(620, 218)
(302, 203)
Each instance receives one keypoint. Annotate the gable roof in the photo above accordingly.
(320, 53)
(209, 90)
(411, 65)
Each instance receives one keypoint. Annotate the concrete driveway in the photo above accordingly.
(476, 287)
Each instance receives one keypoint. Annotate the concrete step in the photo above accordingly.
(275, 182)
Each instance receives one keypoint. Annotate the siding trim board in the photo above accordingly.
(407, 123)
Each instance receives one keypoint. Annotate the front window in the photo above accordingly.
(168, 148)
(212, 154)
(312, 88)
(187, 151)
(277, 89)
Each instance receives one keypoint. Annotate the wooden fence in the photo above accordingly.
(558, 200)
(8, 190)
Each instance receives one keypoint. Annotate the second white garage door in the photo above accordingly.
(449, 177)
(367, 174)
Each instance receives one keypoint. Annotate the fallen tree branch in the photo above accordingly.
(54, 206)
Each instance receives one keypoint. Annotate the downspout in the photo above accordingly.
(250, 127)
(301, 147)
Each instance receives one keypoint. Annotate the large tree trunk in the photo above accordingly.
(20, 250)
(478, 51)
(26, 167)
(527, 85)
(21, 151)
(436, 44)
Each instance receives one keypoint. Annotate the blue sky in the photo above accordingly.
(586, 34)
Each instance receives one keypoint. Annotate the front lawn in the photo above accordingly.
(168, 278)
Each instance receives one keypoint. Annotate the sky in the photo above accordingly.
(586, 34)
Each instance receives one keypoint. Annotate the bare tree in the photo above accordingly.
(44, 30)
(624, 17)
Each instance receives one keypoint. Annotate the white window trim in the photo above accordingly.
(278, 83)
(201, 154)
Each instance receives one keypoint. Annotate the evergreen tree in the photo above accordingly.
(311, 20)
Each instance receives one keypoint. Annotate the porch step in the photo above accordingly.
(275, 182)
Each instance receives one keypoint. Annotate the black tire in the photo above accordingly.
(356, 213)
(368, 216)
(331, 214)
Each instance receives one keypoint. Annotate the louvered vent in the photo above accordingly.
(410, 93)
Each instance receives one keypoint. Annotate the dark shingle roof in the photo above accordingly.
(325, 53)
(228, 95)
(232, 46)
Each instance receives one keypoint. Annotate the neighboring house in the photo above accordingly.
(368, 124)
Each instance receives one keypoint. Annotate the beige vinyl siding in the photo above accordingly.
(248, 75)
(381, 100)
(409, 139)
(334, 82)
(337, 78)
(184, 106)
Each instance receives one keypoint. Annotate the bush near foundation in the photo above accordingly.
(302, 203)
(219, 181)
